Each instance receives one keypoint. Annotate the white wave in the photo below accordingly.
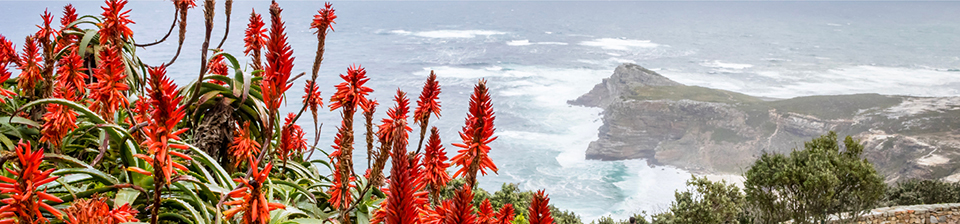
(618, 44)
(527, 43)
(401, 32)
(519, 42)
(449, 33)
(834, 24)
(845, 80)
(724, 65)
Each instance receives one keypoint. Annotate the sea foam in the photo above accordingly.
(449, 33)
(619, 44)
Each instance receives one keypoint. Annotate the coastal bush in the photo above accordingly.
(705, 202)
(916, 191)
(810, 184)
(89, 133)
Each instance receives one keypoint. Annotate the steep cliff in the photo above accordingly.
(649, 116)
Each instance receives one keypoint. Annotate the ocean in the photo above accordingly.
(538, 55)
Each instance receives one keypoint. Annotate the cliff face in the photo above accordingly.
(649, 116)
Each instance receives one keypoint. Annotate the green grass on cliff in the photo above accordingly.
(823, 107)
(695, 93)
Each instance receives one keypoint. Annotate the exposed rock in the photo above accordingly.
(649, 116)
(623, 78)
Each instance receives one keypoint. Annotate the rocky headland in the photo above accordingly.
(647, 115)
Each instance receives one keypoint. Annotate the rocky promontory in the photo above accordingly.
(647, 115)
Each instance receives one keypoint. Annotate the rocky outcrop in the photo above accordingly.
(623, 78)
(649, 116)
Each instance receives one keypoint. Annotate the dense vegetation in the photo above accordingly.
(89, 133)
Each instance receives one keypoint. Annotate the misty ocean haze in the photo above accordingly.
(538, 55)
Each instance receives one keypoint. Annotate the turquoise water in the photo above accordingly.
(538, 55)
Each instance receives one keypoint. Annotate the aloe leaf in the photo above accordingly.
(98, 175)
(125, 196)
(85, 41)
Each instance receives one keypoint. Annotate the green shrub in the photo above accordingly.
(914, 191)
(810, 184)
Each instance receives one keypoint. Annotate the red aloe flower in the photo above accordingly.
(291, 139)
(30, 68)
(96, 210)
(460, 208)
(244, 146)
(539, 211)
(485, 212)
(252, 201)
(505, 216)
(254, 38)
(428, 103)
(279, 62)
(314, 101)
(164, 116)
(477, 133)
(46, 31)
(60, 120)
(26, 200)
(107, 92)
(435, 163)
(404, 199)
(394, 128)
(7, 56)
(218, 67)
(67, 40)
(324, 19)
(71, 76)
(114, 28)
(7, 53)
(69, 16)
(351, 93)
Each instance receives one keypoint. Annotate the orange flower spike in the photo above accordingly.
(108, 92)
(124, 214)
(26, 200)
(46, 31)
(460, 209)
(244, 146)
(60, 120)
(324, 19)
(69, 16)
(96, 210)
(314, 101)
(279, 61)
(7, 56)
(71, 76)
(255, 38)
(435, 163)
(165, 114)
(428, 103)
(217, 66)
(477, 133)
(67, 40)
(114, 28)
(404, 201)
(391, 125)
(485, 212)
(291, 139)
(505, 216)
(30, 68)
(351, 93)
(251, 200)
(539, 210)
